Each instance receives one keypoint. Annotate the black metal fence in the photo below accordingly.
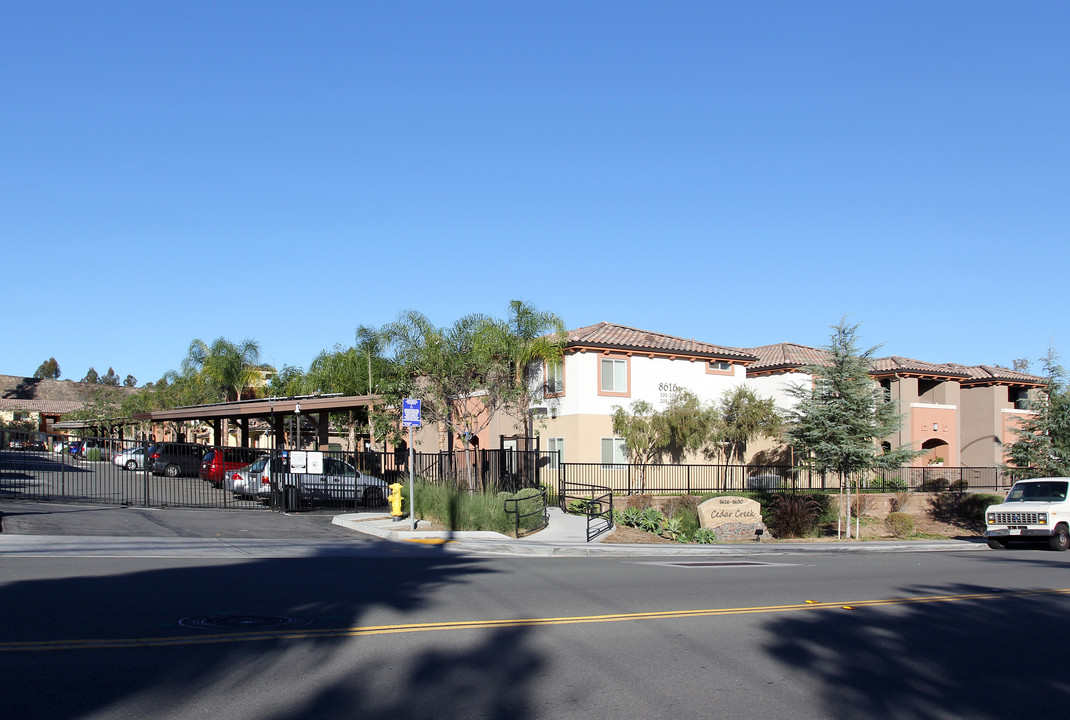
(628, 479)
(36, 466)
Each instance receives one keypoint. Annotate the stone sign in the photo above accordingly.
(732, 517)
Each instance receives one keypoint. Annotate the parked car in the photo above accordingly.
(340, 482)
(106, 450)
(131, 458)
(250, 480)
(218, 462)
(17, 444)
(175, 459)
(75, 447)
(58, 446)
(36, 445)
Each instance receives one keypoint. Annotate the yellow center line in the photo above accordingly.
(358, 631)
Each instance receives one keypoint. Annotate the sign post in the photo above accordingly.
(410, 418)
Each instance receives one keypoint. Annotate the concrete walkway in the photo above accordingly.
(566, 536)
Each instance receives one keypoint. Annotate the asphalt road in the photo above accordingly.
(384, 630)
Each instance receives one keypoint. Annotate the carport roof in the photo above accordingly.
(263, 407)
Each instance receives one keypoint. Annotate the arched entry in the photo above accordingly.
(936, 452)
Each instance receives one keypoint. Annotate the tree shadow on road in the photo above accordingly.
(981, 653)
(316, 671)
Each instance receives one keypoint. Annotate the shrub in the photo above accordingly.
(793, 515)
(934, 484)
(689, 521)
(959, 485)
(967, 509)
(671, 528)
(892, 484)
(704, 536)
(641, 502)
(529, 503)
(631, 516)
(900, 524)
(651, 520)
(459, 509)
(900, 501)
(93, 454)
(578, 506)
(681, 505)
(861, 504)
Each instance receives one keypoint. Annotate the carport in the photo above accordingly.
(313, 409)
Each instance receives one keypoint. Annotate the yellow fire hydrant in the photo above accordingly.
(395, 501)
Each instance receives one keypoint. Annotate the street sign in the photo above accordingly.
(410, 413)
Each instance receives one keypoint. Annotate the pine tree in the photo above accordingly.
(1043, 445)
(839, 422)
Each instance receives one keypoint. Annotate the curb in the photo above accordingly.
(492, 543)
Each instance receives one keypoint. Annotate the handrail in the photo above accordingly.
(540, 509)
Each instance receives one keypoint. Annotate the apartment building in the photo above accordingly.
(955, 414)
(608, 365)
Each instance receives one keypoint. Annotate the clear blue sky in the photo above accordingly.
(740, 173)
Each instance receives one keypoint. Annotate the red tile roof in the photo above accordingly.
(785, 356)
(790, 356)
(606, 335)
(48, 407)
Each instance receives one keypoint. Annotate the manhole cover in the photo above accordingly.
(243, 621)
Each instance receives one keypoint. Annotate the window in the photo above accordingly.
(555, 379)
(719, 367)
(556, 446)
(614, 451)
(613, 376)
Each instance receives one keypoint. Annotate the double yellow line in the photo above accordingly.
(305, 634)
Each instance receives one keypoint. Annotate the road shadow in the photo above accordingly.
(319, 670)
(981, 653)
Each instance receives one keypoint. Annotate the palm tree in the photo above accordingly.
(231, 367)
(528, 338)
(446, 367)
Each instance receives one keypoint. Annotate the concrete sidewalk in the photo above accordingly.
(566, 536)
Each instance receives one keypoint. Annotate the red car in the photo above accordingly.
(217, 462)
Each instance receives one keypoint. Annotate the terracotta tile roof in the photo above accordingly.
(48, 407)
(896, 364)
(790, 356)
(620, 337)
(785, 356)
(995, 375)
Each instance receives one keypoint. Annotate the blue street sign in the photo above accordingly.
(410, 412)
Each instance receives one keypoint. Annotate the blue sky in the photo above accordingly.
(739, 173)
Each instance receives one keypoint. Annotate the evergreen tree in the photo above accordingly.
(91, 377)
(744, 416)
(839, 422)
(110, 378)
(683, 425)
(130, 381)
(1043, 445)
(48, 369)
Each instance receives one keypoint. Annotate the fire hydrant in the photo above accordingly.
(395, 501)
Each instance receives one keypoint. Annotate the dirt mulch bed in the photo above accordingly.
(873, 528)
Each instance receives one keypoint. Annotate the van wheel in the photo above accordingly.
(171, 471)
(997, 544)
(1060, 540)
